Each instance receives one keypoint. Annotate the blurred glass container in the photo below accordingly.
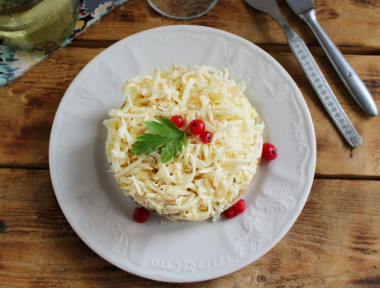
(182, 9)
(41, 25)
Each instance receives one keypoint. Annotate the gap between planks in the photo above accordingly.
(271, 48)
(316, 176)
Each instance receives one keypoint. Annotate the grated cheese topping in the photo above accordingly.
(205, 179)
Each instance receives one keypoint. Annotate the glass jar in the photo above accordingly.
(41, 25)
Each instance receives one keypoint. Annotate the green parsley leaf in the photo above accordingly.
(147, 143)
(163, 127)
(172, 149)
(165, 135)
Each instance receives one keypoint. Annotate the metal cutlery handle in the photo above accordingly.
(346, 73)
(321, 87)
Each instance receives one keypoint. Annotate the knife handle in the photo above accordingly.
(346, 73)
(322, 88)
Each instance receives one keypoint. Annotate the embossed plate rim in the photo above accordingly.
(87, 198)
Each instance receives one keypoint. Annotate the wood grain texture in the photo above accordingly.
(32, 101)
(348, 22)
(30, 104)
(334, 243)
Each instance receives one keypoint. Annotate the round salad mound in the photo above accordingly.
(182, 177)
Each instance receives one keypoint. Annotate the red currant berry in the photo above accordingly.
(141, 214)
(206, 137)
(239, 206)
(178, 121)
(230, 213)
(269, 152)
(197, 126)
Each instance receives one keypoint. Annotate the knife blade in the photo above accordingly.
(312, 71)
(305, 10)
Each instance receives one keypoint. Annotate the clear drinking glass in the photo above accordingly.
(37, 24)
(182, 9)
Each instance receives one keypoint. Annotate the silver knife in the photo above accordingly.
(305, 10)
(313, 73)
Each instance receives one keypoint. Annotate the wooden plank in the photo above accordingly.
(29, 105)
(31, 101)
(334, 243)
(331, 148)
(349, 23)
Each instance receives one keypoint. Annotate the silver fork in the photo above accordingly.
(312, 71)
(305, 10)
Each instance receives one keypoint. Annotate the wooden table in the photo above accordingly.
(335, 241)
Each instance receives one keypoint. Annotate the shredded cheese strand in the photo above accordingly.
(205, 179)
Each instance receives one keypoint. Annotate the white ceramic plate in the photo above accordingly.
(158, 249)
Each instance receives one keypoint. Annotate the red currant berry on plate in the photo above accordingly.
(141, 214)
(239, 206)
(206, 137)
(178, 121)
(197, 126)
(269, 152)
(229, 213)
